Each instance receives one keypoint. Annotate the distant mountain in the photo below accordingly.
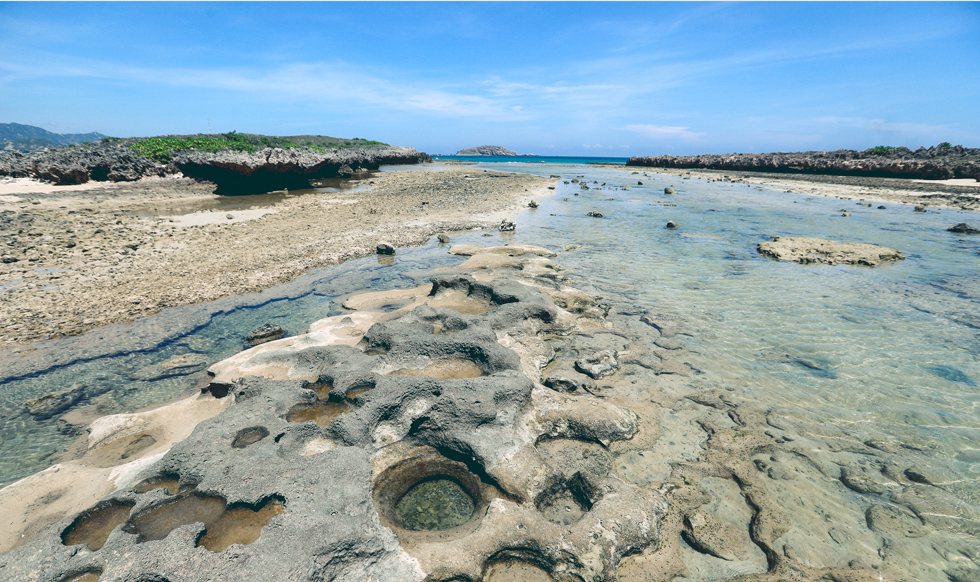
(488, 150)
(18, 137)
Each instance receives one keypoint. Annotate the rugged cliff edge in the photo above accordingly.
(277, 168)
(938, 162)
(235, 172)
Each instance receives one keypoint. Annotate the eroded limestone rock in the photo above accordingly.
(805, 250)
(437, 404)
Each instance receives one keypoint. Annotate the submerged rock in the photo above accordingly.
(964, 228)
(266, 332)
(181, 365)
(806, 250)
(55, 403)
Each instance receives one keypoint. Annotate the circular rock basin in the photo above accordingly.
(430, 493)
(438, 504)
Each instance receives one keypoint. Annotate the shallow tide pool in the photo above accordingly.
(889, 354)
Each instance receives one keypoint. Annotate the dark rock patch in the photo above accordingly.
(266, 332)
(964, 228)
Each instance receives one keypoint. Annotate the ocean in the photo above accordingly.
(523, 160)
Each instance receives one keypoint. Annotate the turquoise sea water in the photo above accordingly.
(524, 160)
(886, 354)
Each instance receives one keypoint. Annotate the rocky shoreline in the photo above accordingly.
(553, 437)
(75, 260)
(963, 194)
(231, 172)
(934, 163)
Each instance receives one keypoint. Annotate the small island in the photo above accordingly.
(489, 150)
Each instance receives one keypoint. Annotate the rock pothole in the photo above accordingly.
(568, 500)
(92, 527)
(326, 407)
(321, 412)
(429, 493)
(516, 571)
(436, 503)
(249, 436)
(224, 525)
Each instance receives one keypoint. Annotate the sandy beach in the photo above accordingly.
(77, 258)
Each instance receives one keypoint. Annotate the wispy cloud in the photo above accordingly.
(665, 131)
(310, 82)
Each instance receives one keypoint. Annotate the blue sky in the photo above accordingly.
(553, 78)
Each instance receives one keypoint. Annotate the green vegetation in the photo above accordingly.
(945, 145)
(163, 148)
(879, 149)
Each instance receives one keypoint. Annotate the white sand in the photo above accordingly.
(29, 186)
(952, 182)
(230, 217)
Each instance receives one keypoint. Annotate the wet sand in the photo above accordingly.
(75, 259)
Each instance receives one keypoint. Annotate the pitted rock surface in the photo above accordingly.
(401, 408)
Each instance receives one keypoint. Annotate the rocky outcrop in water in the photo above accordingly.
(233, 172)
(809, 251)
(936, 162)
(964, 228)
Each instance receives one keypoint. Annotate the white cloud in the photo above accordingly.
(331, 83)
(665, 131)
